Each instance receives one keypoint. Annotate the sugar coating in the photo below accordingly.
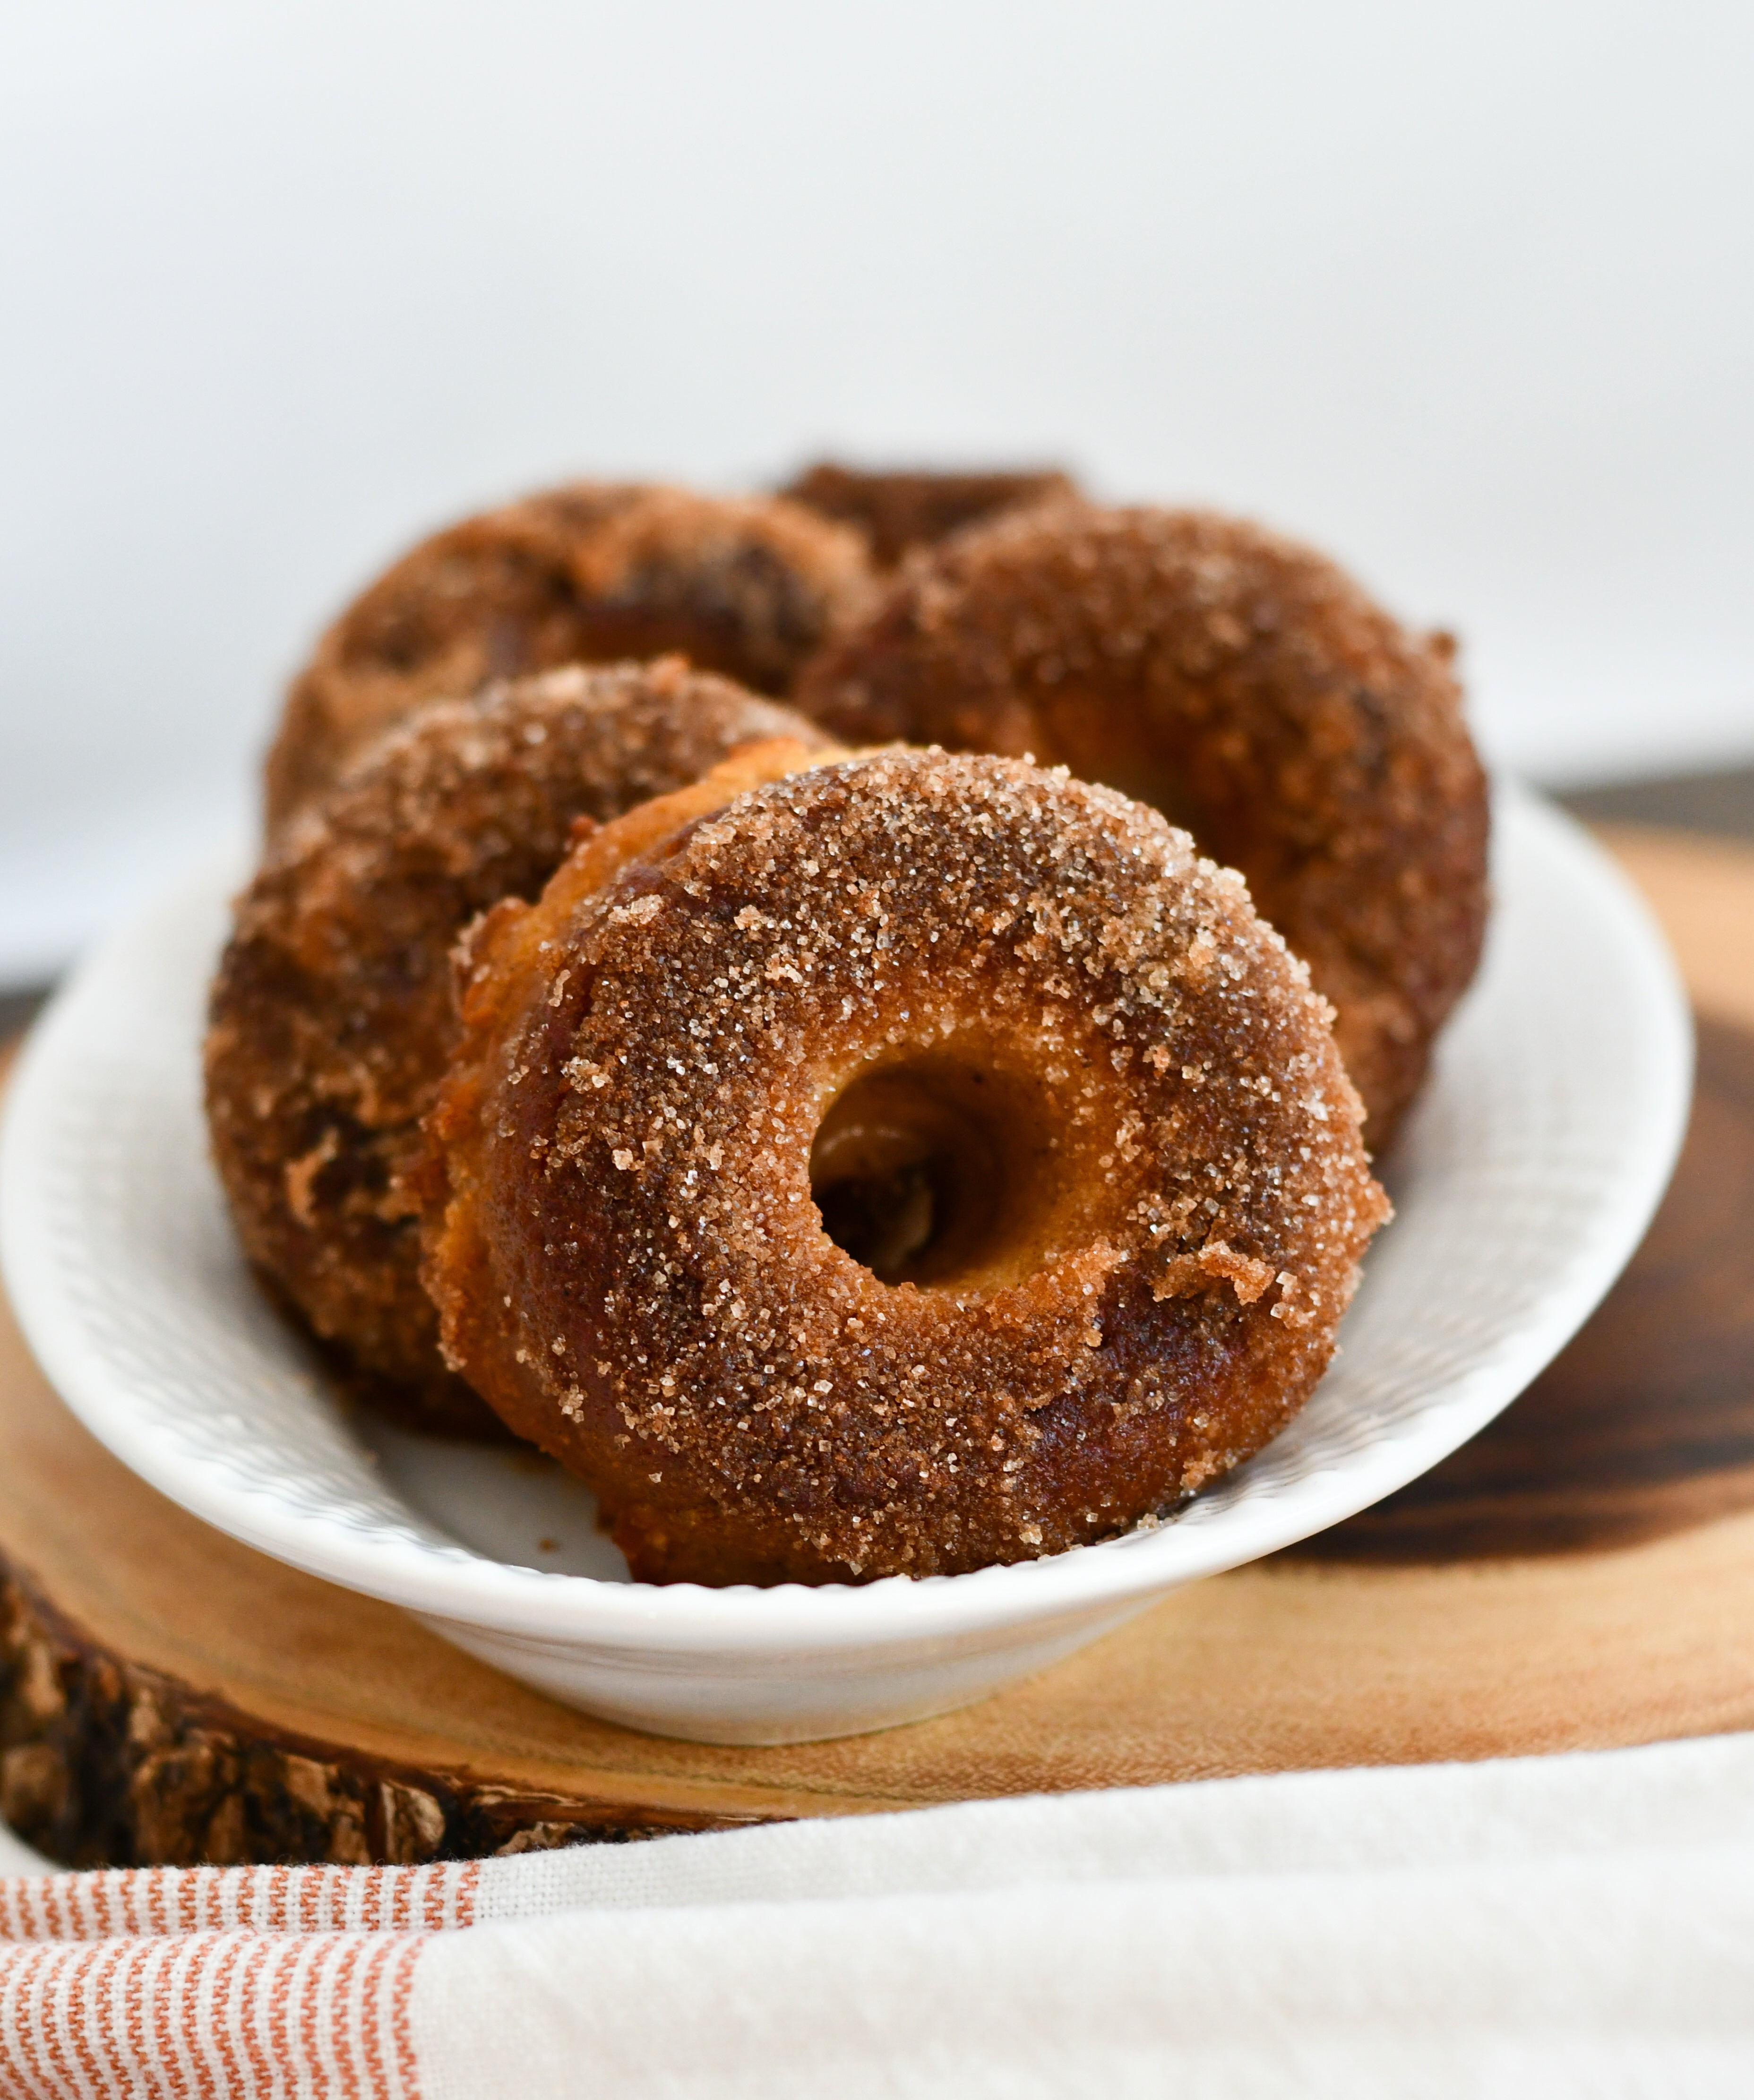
(593, 572)
(621, 1234)
(1244, 685)
(331, 1016)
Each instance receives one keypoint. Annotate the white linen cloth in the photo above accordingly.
(1580, 1924)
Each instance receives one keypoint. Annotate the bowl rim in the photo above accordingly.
(546, 1607)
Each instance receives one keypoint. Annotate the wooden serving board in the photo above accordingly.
(1582, 1574)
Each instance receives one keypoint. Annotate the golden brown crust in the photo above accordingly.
(332, 1016)
(907, 507)
(629, 1257)
(589, 573)
(1241, 684)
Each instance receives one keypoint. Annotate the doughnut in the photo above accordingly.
(1241, 684)
(914, 507)
(889, 1164)
(586, 574)
(331, 1015)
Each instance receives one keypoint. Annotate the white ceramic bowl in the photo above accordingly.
(1523, 1182)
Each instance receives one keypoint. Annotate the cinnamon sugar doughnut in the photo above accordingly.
(331, 1015)
(901, 1165)
(1244, 685)
(590, 573)
(910, 508)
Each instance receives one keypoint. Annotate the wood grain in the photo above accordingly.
(1582, 1576)
(1645, 1424)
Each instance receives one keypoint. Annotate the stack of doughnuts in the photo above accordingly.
(842, 1016)
(332, 1017)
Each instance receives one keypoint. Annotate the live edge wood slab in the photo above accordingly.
(1582, 1574)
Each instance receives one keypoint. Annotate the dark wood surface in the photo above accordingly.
(18, 1009)
(1645, 1424)
(1721, 801)
(1580, 1576)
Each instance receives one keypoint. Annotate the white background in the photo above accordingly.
(1465, 293)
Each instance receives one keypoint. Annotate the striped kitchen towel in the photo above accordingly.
(1566, 1926)
(218, 1981)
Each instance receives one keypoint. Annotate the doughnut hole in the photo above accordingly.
(1125, 749)
(935, 1171)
